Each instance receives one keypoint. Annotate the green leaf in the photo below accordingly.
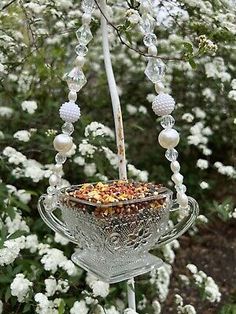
(3, 236)
(16, 234)
(188, 46)
(192, 63)
(61, 308)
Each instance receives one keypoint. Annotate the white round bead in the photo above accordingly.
(182, 199)
(86, 18)
(159, 87)
(69, 112)
(152, 50)
(163, 104)
(175, 166)
(53, 180)
(177, 178)
(80, 61)
(168, 138)
(62, 143)
(72, 96)
(58, 168)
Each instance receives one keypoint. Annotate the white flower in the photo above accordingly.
(192, 268)
(20, 287)
(15, 224)
(212, 290)
(52, 259)
(29, 105)
(23, 196)
(184, 279)
(133, 16)
(199, 113)
(202, 164)
(131, 109)
(161, 279)
(189, 309)
(90, 169)
(31, 243)
(1, 307)
(150, 97)
(14, 157)
(60, 239)
(188, 117)
(204, 185)
(95, 129)
(6, 112)
(22, 135)
(44, 306)
(86, 149)
(232, 95)
(69, 267)
(233, 84)
(79, 160)
(112, 310)
(156, 306)
(50, 286)
(79, 307)
(142, 109)
(100, 288)
(202, 218)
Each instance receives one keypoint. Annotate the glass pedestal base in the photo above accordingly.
(112, 270)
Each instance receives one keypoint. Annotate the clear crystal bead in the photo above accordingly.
(180, 188)
(60, 158)
(147, 24)
(84, 34)
(88, 6)
(75, 79)
(150, 39)
(171, 154)
(50, 202)
(51, 190)
(81, 50)
(67, 128)
(155, 70)
(167, 122)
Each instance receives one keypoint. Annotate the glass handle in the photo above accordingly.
(53, 222)
(181, 226)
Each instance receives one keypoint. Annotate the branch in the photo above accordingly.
(7, 5)
(130, 47)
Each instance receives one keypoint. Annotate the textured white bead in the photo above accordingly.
(177, 178)
(175, 166)
(163, 104)
(53, 180)
(182, 199)
(69, 112)
(86, 18)
(80, 61)
(159, 87)
(152, 50)
(72, 96)
(62, 143)
(168, 138)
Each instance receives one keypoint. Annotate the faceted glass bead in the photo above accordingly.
(67, 128)
(75, 79)
(51, 190)
(180, 188)
(81, 50)
(147, 24)
(155, 70)
(60, 158)
(88, 6)
(167, 122)
(171, 154)
(150, 39)
(50, 202)
(84, 34)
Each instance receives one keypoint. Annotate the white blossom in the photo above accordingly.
(202, 164)
(20, 287)
(90, 169)
(29, 105)
(204, 185)
(60, 239)
(31, 243)
(22, 135)
(1, 307)
(6, 112)
(79, 307)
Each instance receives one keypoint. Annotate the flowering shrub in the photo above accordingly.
(36, 45)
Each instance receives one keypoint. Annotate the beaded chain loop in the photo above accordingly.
(163, 104)
(70, 111)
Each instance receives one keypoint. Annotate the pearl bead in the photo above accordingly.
(62, 143)
(163, 104)
(72, 96)
(182, 199)
(159, 87)
(79, 61)
(69, 112)
(86, 18)
(152, 50)
(168, 138)
(177, 178)
(175, 166)
(53, 180)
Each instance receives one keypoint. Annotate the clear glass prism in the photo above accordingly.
(81, 50)
(155, 69)
(75, 79)
(84, 34)
(147, 24)
(167, 121)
